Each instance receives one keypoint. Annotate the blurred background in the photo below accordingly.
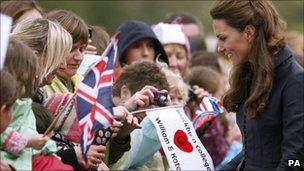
(111, 13)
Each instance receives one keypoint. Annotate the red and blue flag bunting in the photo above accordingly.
(208, 109)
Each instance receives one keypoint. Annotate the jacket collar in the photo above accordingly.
(284, 54)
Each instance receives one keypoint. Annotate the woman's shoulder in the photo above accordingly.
(287, 68)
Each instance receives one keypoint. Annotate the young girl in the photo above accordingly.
(20, 132)
(7, 98)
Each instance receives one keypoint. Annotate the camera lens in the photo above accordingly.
(160, 99)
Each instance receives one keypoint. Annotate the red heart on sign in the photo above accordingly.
(181, 141)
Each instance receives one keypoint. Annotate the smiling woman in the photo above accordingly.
(232, 43)
(263, 84)
(67, 79)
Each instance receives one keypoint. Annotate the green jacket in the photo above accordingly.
(24, 122)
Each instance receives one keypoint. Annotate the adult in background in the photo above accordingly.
(21, 10)
(137, 42)
(67, 79)
(192, 27)
(176, 45)
(98, 42)
(266, 85)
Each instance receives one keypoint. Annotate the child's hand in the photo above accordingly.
(95, 155)
(116, 128)
(124, 129)
(120, 112)
(37, 142)
(200, 92)
(5, 167)
(141, 99)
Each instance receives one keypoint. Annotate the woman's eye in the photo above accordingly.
(222, 38)
(151, 45)
(180, 57)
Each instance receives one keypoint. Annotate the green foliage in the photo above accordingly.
(111, 13)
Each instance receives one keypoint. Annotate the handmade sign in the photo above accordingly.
(182, 147)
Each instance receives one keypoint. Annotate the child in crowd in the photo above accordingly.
(21, 141)
(144, 142)
(178, 90)
(214, 134)
(8, 96)
(208, 79)
(217, 62)
(65, 134)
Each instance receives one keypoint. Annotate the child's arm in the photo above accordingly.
(14, 143)
(37, 142)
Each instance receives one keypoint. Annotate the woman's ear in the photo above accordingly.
(4, 109)
(125, 93)
(249, 32)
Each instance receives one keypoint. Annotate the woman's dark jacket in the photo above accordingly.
(277, 134)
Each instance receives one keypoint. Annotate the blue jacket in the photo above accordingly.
(277, 135)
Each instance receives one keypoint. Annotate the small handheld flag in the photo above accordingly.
(208, 109)
(94, 98)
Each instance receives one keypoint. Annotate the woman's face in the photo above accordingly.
(73, 61)
(142, 49)
(231, 42)
(177, 57)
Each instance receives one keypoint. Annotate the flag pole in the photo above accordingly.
(152, 109)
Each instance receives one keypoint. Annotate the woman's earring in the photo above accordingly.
(249, 40)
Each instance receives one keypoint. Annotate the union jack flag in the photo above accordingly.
(208, 109)
(94, 98)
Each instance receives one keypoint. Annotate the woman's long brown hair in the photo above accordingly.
(251, 81)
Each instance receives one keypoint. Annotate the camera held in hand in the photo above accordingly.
(160, 98)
